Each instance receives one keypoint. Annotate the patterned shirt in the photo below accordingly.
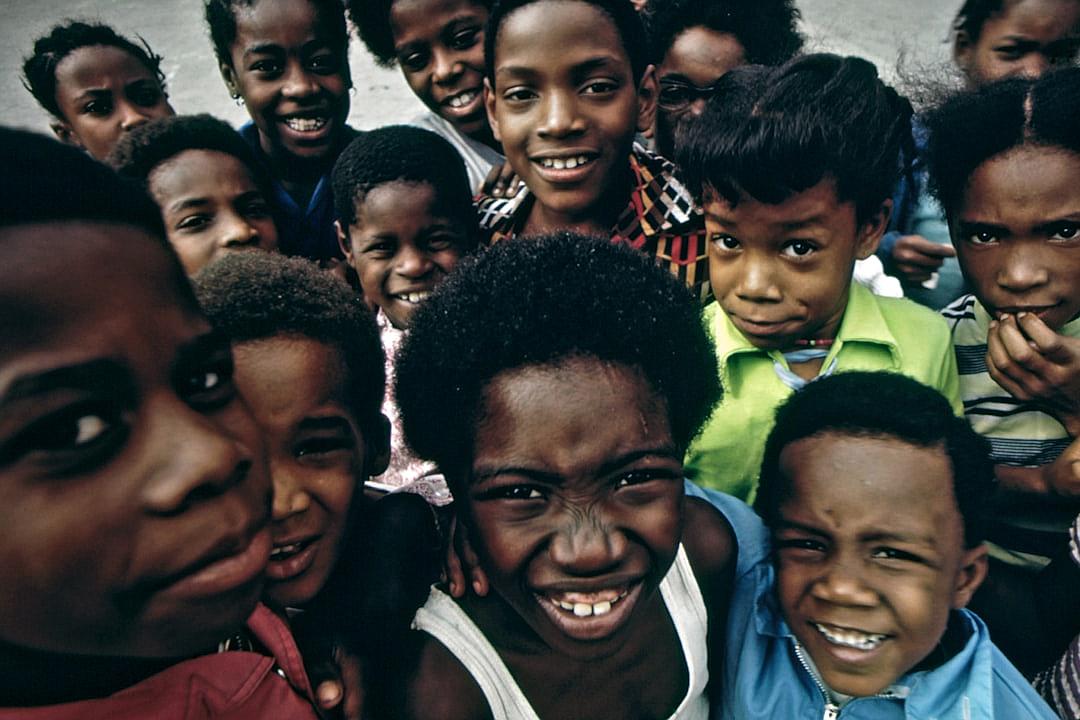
(1060, 684)
(660, 220)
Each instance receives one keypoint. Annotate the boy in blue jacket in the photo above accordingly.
(876, 522)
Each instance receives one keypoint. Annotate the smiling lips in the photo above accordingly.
(850, 637)
(413, 298)
(587, 604)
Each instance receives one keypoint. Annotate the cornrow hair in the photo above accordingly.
(407, 154)
(972, 126)
(775, 132)
(39, 68)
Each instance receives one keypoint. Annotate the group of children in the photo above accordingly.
(481, 447)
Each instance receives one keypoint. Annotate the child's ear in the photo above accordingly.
(66, 135)
(648, 91)
(229, 76)
(962, 50)
(470, 560)
(973, 568)
(870, 232)
(343, 241)
(489, 105)
(377, 447)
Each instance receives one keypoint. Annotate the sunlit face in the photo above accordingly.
(1017, 233)
(293, 76)
(297, 390)
(402, 245)
(575, 500)
(211, 206)
(440, 48)
(697, 58)
(1027, 38)
(782, 272)
(567, 119)
(103, 92)
(870, 556)
(133, 489)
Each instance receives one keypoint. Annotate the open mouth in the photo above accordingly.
(290, 560)
(849, 637)
(587, 604)
(280, 553)
(413, 298)
(593, 615)
(462, 99)
(564, 163)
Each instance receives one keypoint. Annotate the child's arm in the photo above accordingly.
(1061, 477)
(442, 689)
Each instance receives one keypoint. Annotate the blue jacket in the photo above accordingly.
(764, 680)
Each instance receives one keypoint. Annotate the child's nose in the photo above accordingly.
(1033, 65)
(756, 283)
(290, 497)
(445, 68)
(841, 583)
(132, 116)
(298, 82)
(560, 116)
(587, 546)
(411, 262)
(1022, 269)
(238, 232)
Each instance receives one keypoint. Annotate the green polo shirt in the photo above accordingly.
(876, 333)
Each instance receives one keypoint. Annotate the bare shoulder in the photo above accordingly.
(442, 689)
(709, 541)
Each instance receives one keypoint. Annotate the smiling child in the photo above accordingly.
(96, 83)
(795, 166)
(561, 434)
(136, 499)
(287, 61)
(567, 122)
(211, 189)
(877, 520)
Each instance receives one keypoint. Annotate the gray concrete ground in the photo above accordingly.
(877, 29)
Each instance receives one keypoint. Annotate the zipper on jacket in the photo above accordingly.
(832, 710)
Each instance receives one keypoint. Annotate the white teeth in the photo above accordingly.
(463, 99)
(584, 609)
(414, 297)
(851, 638)
(306, 124)
(568, 163)
(601, 608)
(285, 550)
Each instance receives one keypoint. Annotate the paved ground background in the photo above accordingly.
(880, 30)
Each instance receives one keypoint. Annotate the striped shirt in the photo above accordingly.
(660, 219)
(1060, 684)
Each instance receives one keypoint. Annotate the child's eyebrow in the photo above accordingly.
(332, 422)
(196, 350)
(663, 451)
(600, 62)
(973, 226)
(894, 537)
(185, 203)
(95, 92)
(91, 375)
(785, 524)
(263, 49)
(1051, 225)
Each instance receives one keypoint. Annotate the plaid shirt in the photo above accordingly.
(660, 220)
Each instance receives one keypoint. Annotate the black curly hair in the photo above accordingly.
(626, 19)
(851, 404)
(775, 132)
(973, 126)
(39, 68)
(767, 29)
(141, 150)
(372, 21)
(47, 181)
(257, 295)
(538, 301)
(220, 18)
(407, 154)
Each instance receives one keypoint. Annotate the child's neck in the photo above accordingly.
(30, 678)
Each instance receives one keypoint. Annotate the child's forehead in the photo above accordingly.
(818, 204)
(587, 28)
(281, 22)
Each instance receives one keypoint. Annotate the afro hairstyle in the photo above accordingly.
(774, 132)
(851, 404)
(48, 181)
(401, 153)
(767, 29)
(972, 126)
(372, 21)
(221, 20)
(141, 150)
(540, 301)
(257, 295)
(627, 23)
(39, 69)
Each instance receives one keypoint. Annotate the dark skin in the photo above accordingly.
(556, 513)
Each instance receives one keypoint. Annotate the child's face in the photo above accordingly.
(103, 92)
(782, 272)
(575, 500)
(292, 75)
(697, 58)
(870, 556)
(297, 389)
(402, 245)
(567, 119)
(440, 47)
(133, 489)
(211, 206)
(1027, 38)
(1017, 233)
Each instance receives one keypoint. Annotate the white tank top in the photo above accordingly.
(444, 619)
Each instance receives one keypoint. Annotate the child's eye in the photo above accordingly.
(415, 62)
(101, 108)
(438, 243)
(382, 248)
(600, 87)
(265, 67)
(724, 242)
(1065, 231)
(799, 248)
(888, 553)
(324, 64)
(194, 223)
(1010, 52)
(77, 435)
(981, 237)
(806, 544)
(465, 39)
(518, 95)
(210, 385)
(315, 446)
(517, 492)
(639, 477)
(255, 208)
